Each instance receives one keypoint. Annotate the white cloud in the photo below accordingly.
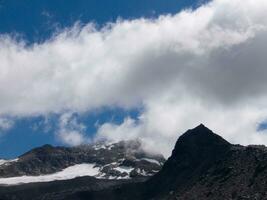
(70, 131)
(206, 65)
(165, 119)
(5, 124)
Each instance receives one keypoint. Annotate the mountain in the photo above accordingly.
(203, 166)
(122, 160)
(195, 152)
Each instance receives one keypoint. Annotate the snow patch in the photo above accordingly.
(151, 160)
(142, 172)
(68, 173)
(3, 161)
(98, 147)
(123, 169)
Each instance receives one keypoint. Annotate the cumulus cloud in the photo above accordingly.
(205, 65)
(5, 124)
(165, 119)
(70, 131)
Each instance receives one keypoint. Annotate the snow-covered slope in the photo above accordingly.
(68, 173)
(7, 162)
(123, 160)
(2, 161)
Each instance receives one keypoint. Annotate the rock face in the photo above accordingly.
(124, 159)
(203, 166)
(195, 152)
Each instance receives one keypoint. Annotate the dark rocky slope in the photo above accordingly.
(61, 189)
(203, 166)
(106, 156)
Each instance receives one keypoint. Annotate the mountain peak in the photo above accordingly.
(47, 146)
(199, 145)
(201, 136)
(201, 126)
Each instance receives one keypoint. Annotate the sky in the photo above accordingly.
(73, 72)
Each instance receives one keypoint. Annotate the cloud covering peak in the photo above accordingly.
(205, 65)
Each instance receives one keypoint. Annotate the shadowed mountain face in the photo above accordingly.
(195, 152)
(124, 159)
(202, 166)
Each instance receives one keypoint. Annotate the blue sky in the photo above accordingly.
(36, 21)
(75, 70)
(30, 132)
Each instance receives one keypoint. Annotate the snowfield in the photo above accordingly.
(2, 162)
(68, 173)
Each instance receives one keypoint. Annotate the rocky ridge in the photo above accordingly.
(203, 166)
(124, 159)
